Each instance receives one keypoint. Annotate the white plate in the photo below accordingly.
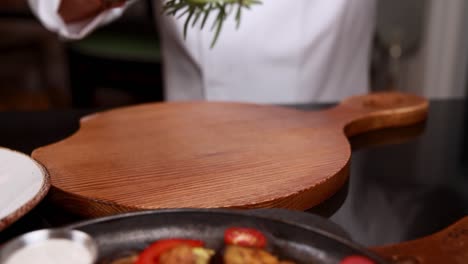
(23, 184)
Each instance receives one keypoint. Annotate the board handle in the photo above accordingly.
(380, 110)
(449, 246)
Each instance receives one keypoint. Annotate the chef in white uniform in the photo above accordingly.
(285, 51)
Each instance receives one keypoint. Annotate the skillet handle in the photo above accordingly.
(447, 246)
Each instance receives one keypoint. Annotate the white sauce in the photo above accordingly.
(53, 251)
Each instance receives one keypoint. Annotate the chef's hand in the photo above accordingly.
(79, 10)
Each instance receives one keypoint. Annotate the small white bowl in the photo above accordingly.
(76, 242)
(23, 184)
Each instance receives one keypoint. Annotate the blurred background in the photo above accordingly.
(419, 46)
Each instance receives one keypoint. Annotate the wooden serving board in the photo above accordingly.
(214, 155)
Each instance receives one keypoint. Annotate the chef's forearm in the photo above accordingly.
(79, 10)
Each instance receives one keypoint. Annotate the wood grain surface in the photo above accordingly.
(449, 246)
(214, 155)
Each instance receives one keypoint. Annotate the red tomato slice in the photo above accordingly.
(356, 260)
(245, 237)
(151, 254)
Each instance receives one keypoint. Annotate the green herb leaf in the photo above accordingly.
(194, 9)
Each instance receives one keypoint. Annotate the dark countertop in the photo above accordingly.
(405, 182)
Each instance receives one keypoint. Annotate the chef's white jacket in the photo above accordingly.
(285, 51)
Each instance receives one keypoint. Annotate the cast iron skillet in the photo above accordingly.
(301, 237)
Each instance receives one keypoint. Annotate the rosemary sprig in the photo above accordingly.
(201, 9)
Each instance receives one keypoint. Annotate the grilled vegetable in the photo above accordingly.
(202, 255)
(186, 255)
(356, 260)
(244, 255)
(246, 237)
(164, 251)
(243, 246)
